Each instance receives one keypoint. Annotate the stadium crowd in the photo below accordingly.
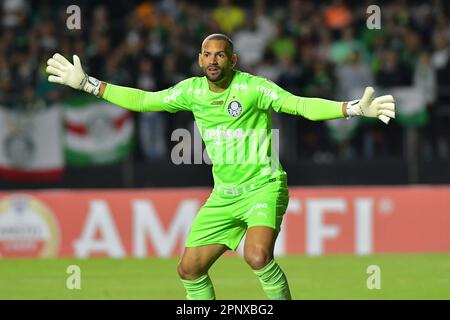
(311, 48)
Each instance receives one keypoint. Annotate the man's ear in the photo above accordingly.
(234, 60)
(199, 60)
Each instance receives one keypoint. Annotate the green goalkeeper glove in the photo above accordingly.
(382, 107)
(63, 72)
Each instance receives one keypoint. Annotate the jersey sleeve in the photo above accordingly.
(176, 98)
(173, 99)
(269, 94)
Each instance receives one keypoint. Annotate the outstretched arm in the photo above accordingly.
(130, 98)
(63, 72)
(315, 109)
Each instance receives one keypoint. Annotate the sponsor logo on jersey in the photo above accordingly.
(267, 92)
(235, 109)
(196, 92)
(239, 86)
(173, 96)
(223, 134)
(218, 102)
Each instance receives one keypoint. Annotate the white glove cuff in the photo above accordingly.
(90, 85)
(353, 108)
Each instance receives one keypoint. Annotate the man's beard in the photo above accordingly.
(219, 75)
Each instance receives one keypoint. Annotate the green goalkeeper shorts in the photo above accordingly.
(226, 216)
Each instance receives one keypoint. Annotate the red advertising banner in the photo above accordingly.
(156, 222)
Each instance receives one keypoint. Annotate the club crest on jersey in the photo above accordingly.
(235, 109)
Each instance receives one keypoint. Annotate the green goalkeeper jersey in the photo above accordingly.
(235, 124)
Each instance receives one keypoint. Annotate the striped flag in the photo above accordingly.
(31, 145)
(96, 132)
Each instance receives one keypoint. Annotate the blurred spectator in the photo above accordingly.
(425, 81)
(100, 21)
(424, 78)
(145, 79)
(228, 16)
(352, 77)
(268, 68)
(264, 23)
(30, 101)
(48, 37)
(342, 49)
(283, 44)
(337, 15)
(321, 82)
(392, 72)
(249, 44)
(411, 50)
(146, 14)
(290, 74)
(100, 54)
(440, 58)
(14, 13)
(323, 48)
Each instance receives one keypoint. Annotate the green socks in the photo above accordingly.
(274, 282)
(199, 289)
(272, 278)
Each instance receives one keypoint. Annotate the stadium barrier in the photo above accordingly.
(155, 222)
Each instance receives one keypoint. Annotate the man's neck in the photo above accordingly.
(222, 85)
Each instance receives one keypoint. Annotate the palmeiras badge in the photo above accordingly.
(235, 109)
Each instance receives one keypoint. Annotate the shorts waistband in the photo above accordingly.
(235, 191)
(244, 188)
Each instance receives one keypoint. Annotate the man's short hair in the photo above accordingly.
(221, 36)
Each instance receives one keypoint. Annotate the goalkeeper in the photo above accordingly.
(249, 197)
